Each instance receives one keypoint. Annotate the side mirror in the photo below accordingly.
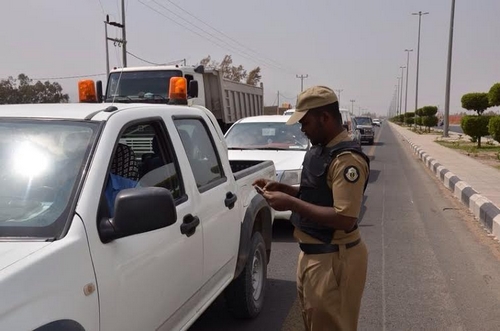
(98, 88)
(193, 89)
(139, 210)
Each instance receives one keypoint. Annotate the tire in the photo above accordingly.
(245, 295)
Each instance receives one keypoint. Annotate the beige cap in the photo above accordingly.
(313, 97)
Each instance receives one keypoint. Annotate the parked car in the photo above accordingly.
(80, 252)
(364, 126)
(270, 138)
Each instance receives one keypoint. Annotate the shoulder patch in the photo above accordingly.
(351, 174)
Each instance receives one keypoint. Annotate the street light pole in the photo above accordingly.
(401, 92)
(418, 57)
(448, 74)
(407, 70)
(397, 97)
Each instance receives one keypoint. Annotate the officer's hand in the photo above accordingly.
(267, 184)
(278, 200)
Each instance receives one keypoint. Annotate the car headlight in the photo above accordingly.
(291, 177)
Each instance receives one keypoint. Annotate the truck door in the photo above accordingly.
(145, 280)
(220, 211)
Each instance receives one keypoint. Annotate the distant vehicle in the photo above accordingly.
(364, 125)
(377, 122)
(289, 112)
(270, 138)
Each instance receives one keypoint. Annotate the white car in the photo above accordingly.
(376, 122)
(289, 112)
(270, 138)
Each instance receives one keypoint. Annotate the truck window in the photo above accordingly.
(201, 152)
(139, 85)
(144, 157)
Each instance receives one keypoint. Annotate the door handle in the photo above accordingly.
(230, 200)
(189, 224)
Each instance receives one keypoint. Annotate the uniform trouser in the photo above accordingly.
(330, 287)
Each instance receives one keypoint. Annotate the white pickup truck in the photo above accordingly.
(94, 236)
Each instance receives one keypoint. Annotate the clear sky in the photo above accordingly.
(353, 45)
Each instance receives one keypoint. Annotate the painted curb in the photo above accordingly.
(482, 208)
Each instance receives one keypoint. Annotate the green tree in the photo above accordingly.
(475, 127)
(494, 95)
(477, 102)
(22, 90)
(429, 110)
(494, 127)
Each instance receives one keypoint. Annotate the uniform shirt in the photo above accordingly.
(346, 177)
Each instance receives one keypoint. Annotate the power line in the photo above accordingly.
(224, 34)
(69, 77)
(207, 32)
(232, 48)
(285, 97)
(102, 7)
(154, 63)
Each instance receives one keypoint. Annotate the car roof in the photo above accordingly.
(265, 119)
(67, 111)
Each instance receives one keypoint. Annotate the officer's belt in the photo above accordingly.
(325, 248)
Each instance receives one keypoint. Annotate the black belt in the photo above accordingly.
(325, 248)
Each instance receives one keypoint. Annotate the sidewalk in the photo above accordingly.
(475, 184)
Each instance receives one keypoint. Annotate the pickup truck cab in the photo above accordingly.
(97, 235)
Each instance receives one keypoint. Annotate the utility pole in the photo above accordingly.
(114, 40)
(401, 92)
(418, 58)
(352, 105)
(407, 70)
(448, 74)
(124, 37)
(338, 96)
(302, 77)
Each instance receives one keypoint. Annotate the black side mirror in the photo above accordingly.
(139, 210)
(193, 89)
(98, 90)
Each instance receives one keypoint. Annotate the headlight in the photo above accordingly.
(291, 177)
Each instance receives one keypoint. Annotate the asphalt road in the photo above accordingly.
(431, 265)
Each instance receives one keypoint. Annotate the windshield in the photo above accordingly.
(39, 162)
(266, 135)
(139, 85)
(363, 121)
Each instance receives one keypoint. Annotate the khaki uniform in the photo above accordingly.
(330, 285)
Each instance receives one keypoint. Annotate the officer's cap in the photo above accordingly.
(313, 97)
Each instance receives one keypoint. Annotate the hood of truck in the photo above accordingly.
(12, 252)
(282, 159)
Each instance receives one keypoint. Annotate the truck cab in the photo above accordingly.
(228, 100)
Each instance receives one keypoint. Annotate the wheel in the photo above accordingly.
(245, 295)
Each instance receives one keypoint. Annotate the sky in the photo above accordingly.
(356, 46)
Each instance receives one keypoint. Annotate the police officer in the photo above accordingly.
(332, 265)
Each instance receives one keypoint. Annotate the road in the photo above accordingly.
(431, 265)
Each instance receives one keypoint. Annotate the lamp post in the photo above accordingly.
(418, 57)
(401, 91)
(448, 74)
(407, 68)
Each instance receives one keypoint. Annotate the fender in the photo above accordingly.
(256, 206)
(67, 325)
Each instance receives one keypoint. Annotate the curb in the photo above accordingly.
(482, 208)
